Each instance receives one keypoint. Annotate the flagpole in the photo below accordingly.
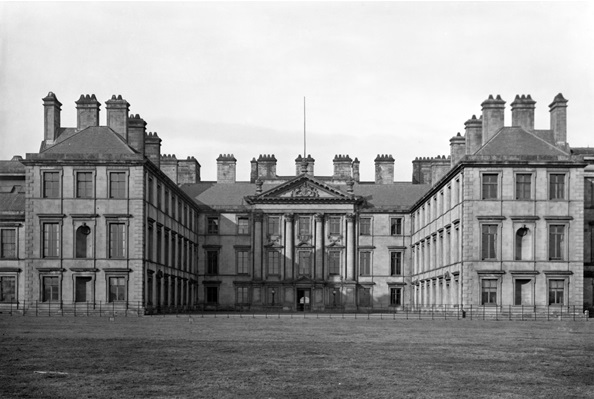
(304, 139)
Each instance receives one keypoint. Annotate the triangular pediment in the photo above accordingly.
(303, 189)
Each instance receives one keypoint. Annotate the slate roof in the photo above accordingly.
(582, 151)
(92, 140)
(515, 141)
(399, 196)
(13, 202)
(11, 168)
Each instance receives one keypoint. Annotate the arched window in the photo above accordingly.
(82, 233)
(523, 244)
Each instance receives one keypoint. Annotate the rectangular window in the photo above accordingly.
(305, 263)
(556, 186)
(395, 226)
(556, 292)
(589, 192)
(159, 196)
(243, 225)
(395, 263)
(51, 289)
(242, 295)
(365, 226)
(84, 185)
(7, 244)
(166, 249)
(334, 225)
(150, 190)
(7, 289)
(365, 263)
(173, 247)
(173, 209)
(243, 261)
(117, 185)
(489, 292)
(159, 244)
(490, 183)
(273, 263)
(167, 203)
(212, 295)
(523, 186)
(489, 241)
(212, 262)
(51, 185)
(273, 226)
(51, 240)
(304, 226)
(149, 244)
(117, 289)
(396, 296)
(334, 262)
(556, 241)
(212, 225)
(117, 240)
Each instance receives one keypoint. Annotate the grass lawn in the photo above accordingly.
(293, 358)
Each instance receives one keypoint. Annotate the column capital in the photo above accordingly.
(258, 216)
(350, 217)
(289, 217)
(319, 217)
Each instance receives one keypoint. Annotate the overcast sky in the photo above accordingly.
(380, 78)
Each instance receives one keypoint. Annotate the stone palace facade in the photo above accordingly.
(100, 216)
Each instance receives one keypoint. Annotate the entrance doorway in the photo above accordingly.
(83, 289)
(303, 299)
(523, 292)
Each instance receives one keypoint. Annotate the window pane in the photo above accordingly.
(334, 262)
(51, 181)
(242, 262)
(8, 243)
(212, 262)
(7, 289)
(243, 226)
(117, 289)
(489, 292)
(365, 263)
(334, 225)
(213, 225)
(523, 186)
(395, 296)
(117, 185)
(489, 240)
(490, 186)
(556, 186)
(304, 226)
(273, 226)
(556, 240)
(84, 185)
(395, 263)
(365, 226)
(305, 263)
(51, 240)
(396, 226)
(117, 240)
(50, 289)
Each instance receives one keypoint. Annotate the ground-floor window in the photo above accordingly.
(212, 295)
(241, 295)
(395, 296)
(488, 292)
(117, 289)
(51, 289)
(7, 289)
(556, 292)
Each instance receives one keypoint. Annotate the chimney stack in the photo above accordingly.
(51, 118)
(87, 111)
(342, 167)
(188, 171)
(473, 135)
(493, 116)
(226, 168)
(117, 115)
(169, 166)
(523, 112)
(266, 167)
(152, 148)
(308, 162)
(254, 170)
(356, 174)
(384, 169)
(136, 133)
(558, 110)
(457, 148)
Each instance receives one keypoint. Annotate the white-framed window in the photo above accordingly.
(489, 186)
(365, 226)
(523, 186)
(51, 239)
(365, 263)
(117, 240)
(557, 241)
(489, 241)
(556, 288)
(84, 184)
(51, 184)
(243, 261)
(273, 263)
(117, 184)
(489, 288)
(395, 263)
(557, 186)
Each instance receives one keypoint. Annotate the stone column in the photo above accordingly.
(319, 251)
(154, 299)
(162, 296)
(258, 217)
(290, 240)
(431, 293)
(350, 247)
